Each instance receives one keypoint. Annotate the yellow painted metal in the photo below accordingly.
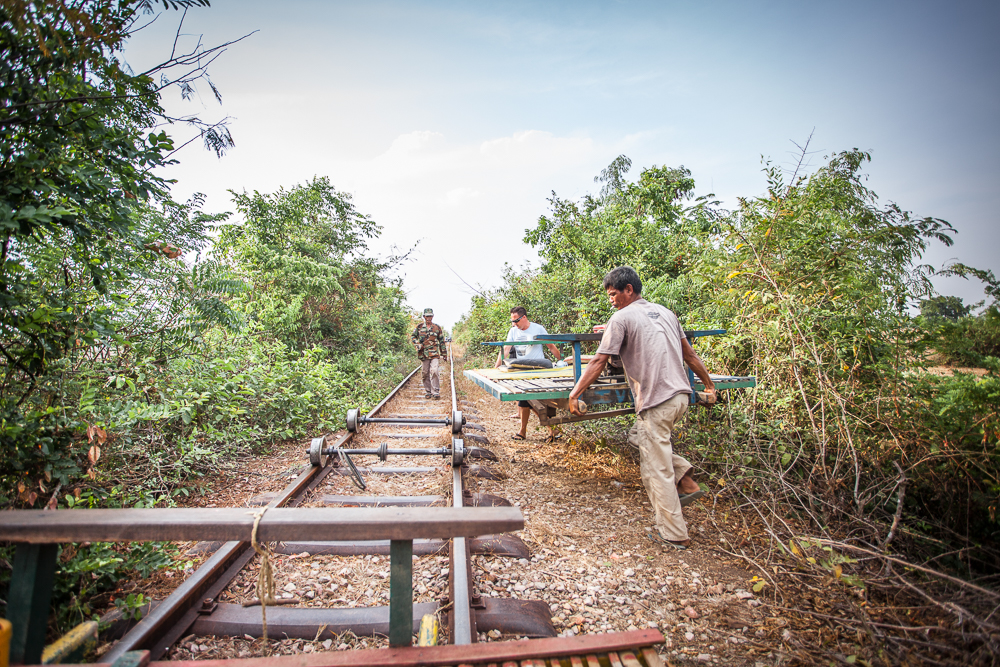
(70, 643)
(428, 631)
(6, 630)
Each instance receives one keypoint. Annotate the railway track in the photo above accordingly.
(404, 443)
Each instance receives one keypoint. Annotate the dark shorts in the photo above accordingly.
(523, 404)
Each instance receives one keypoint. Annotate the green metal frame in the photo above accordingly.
(400, 593)
(31, 583)
(599, 394)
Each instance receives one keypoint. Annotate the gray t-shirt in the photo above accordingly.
(527, 351)
(648, 338)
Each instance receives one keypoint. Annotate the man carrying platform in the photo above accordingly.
(653, 350)
(522, 329)
(429, 340)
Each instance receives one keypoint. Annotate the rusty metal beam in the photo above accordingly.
(233, 620)
(521, 618)
(301, 523)
(486, 545)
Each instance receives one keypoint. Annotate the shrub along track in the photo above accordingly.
(583, 562)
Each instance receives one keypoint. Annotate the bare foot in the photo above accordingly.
(687, 484)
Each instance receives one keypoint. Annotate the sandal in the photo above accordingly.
(665, 542)
(688, 498)
(517, 436)
(552, 438)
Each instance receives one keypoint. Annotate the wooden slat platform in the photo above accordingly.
(517, 386)
(617, 649)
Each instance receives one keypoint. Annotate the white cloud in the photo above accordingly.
(458, 196)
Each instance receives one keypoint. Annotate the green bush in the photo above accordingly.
(966, 341)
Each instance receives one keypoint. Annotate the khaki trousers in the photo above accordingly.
(659, 467)
(432, 375)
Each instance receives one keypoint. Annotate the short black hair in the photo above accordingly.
(620, 277)
(519, 310)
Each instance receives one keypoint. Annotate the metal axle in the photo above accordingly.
(317, 451)
(383, 451)
(355, 419)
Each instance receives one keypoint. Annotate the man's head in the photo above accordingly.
(519, 318)
(623, 286)
(428, 315)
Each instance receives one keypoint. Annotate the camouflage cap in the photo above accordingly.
(428, 311)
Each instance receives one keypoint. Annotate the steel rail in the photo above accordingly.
(463, 630)
(172, 618)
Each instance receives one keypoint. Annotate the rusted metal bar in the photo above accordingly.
(308, 523)
(522, 618)
(417, 470)
(488, 545)
(380, 501)
(234, 620)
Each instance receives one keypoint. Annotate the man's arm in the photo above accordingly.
(695, 364)
(506, 350)
(554, 350)
(594, 369)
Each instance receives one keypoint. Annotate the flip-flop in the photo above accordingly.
(517, 436)
(552, 438)
(666, 543)
(688, 498)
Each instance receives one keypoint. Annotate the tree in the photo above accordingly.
(303, 251)
(77, 159)
(944, 307)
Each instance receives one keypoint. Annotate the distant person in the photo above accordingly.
(429, 340)
(522, 329)
(653, 350)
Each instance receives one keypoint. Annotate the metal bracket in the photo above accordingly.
(353, 469)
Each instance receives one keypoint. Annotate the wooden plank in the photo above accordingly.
(508, 653)
(593, 661)
(575, 661)
(487, 384)
(302, 524)
(629, 660)
(651, 657)
(614, 660)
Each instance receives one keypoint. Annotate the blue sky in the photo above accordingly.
(451, 122)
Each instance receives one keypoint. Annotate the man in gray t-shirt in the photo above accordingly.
(653, 350)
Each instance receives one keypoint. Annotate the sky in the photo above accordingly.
(451, 123)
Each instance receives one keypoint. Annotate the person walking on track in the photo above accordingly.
(429, 341)
(653, 349)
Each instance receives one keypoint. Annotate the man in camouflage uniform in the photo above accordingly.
(429, 339)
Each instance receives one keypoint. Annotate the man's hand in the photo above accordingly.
(709, 396)
(575, 407)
